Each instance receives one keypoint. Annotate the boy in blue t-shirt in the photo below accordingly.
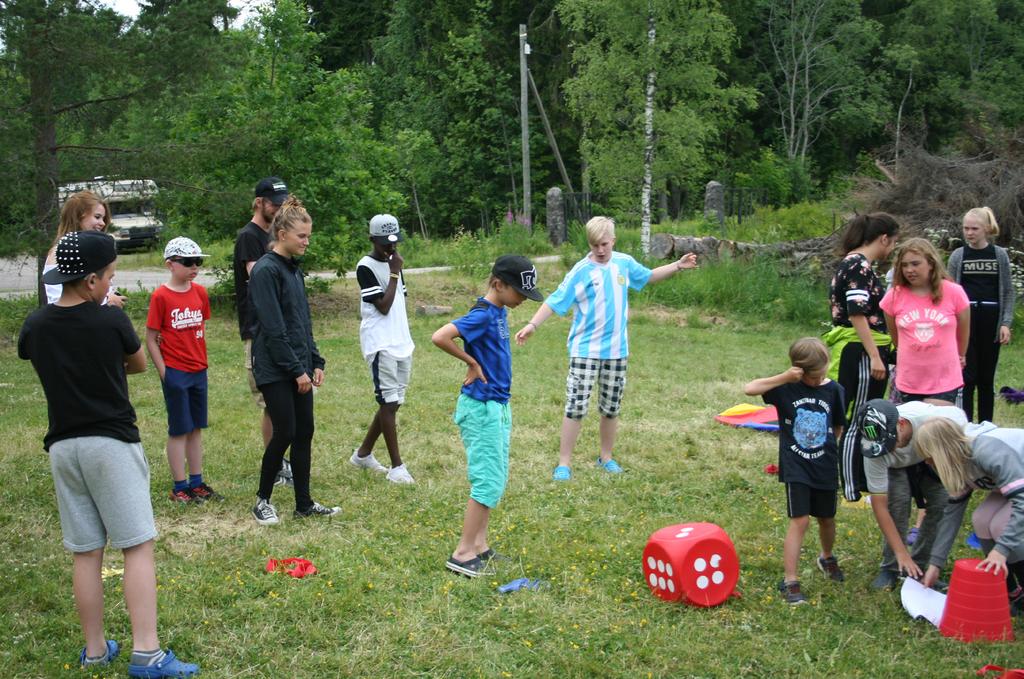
(812, 414)
(597, 290)
(483, 413)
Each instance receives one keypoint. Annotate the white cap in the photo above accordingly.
(182, 247)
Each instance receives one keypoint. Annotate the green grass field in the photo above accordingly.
(382, 603)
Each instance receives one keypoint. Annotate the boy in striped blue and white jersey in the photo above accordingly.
(597, 291)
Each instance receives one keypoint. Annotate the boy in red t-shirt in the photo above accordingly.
(175, 329)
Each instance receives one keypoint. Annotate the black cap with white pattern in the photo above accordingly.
(79, 254)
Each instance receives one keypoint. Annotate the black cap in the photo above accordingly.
(878, 421)
(272, 188)
(79, 254)
(520, 273)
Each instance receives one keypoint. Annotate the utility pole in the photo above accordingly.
(524, 94)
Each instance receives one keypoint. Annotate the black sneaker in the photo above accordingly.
(830, 567)
(472, 568)
(316, 509)
(185, 497)
(791, 593)
(205, 492)
(493, 557)
(885, 580)
(265, 513)
(284, 475)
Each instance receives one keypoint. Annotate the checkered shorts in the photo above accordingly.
(609, 373)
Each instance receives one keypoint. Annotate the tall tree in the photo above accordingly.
(614, 59)
(819, 60)
(77, 63)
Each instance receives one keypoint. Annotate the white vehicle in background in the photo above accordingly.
(133, 220)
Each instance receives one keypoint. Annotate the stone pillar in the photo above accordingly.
(714, 202)
(556, 216)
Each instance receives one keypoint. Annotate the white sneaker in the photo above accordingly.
(400, 474)
(368, 462)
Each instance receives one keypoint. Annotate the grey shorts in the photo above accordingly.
(610, 376)
(256, 393)
(390, 376)
(102, 489)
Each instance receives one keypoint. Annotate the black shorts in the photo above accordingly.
(802, 500)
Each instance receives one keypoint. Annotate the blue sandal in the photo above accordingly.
(112, 650)
(562, 473)
(611, 466)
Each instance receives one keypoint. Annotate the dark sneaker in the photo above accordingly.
(491, 556)
(885, 580)
(830, 567)
(265, 513)
(185, 497)
(791, 593)
(204, 492)
(316, 509)
(284, 476)
(168, 667)
(473, 568)
(112, 650)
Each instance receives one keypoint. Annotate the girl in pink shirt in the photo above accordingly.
(931, 316)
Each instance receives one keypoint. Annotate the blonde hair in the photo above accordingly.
(598, 228)
(288, 217)
(75, 209)
(924, 248)
(986, 217)
(941, 441)
(809, 353)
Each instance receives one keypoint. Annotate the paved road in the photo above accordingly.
(18, 276)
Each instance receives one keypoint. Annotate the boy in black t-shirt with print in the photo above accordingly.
(82, 352)
(812, 414)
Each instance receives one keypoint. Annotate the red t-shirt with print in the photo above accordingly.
(180, 318)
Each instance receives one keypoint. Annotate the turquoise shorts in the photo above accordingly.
(486, 430)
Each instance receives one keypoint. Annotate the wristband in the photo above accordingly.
(395, 276)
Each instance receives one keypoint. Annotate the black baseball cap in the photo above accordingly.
(79, 254)
(519, 272)
(878, 421)
(273, 189)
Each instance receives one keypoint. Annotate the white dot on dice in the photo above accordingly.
(699, 565)
(702, 582)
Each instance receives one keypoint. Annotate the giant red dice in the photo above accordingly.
(695, 562)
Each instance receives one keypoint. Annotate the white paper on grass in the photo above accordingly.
(922, 602)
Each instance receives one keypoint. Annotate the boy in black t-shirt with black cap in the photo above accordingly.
(82, 352)
(812, 414)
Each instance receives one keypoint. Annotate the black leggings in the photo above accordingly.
(982, 357)
(291, 415)
(860, 387)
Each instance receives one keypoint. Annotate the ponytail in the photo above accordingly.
(867, 228)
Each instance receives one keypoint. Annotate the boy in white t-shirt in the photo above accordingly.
(386, 343)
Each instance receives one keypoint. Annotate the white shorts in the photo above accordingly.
(390, 376)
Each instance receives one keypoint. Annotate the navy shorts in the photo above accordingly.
(185, 397)
(802, 500)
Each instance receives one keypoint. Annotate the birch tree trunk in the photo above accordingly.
(645, 196)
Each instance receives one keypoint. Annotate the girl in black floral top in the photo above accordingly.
(859, 342)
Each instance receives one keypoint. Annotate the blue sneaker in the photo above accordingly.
(611, 466)
(562, 473)
(112, 650)
(168, 667)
